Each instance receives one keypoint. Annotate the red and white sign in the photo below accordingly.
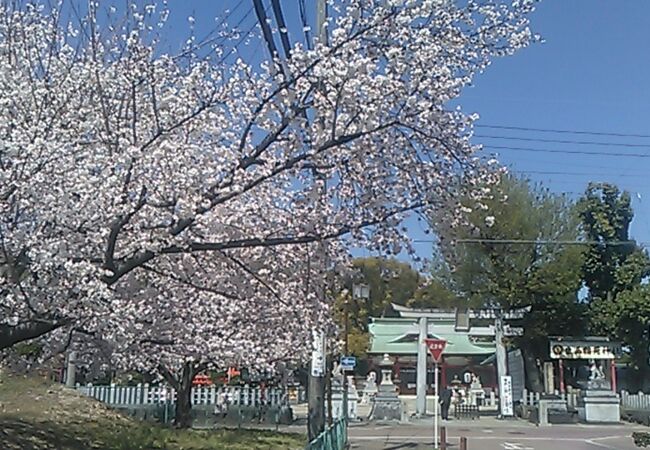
(435, 347)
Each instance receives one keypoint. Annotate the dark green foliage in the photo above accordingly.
(641, 439)
(615, 263)
(613, 270)
(546, 276)
(389, 280)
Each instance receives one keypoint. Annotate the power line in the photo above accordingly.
(282, 28)
(563, 141)
(208, 38)
(561, 164)
(578, 184)
(305, 25)
(543, 242)
(586, 174)
(243, 37)
(218, 40)
(539, 242)
(573, 152)
(550, 130)
(260, 11)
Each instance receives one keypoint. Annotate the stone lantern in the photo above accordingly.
(387, 404)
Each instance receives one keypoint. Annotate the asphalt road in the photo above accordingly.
(494, 435)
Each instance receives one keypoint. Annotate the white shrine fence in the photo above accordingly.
(532, 398)
(638, 401)
(144, 394)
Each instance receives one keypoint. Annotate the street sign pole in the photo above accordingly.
(435, 347)
(435, 405)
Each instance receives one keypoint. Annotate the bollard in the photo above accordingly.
(443, 438)
(463, 443)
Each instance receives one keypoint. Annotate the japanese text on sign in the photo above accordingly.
(583, 350)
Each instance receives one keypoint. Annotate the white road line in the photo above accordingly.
(608, 447)
(592, 441)
(515, 446)
(604, 438)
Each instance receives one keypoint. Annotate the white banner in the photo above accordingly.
(505, 394)
(318, 354)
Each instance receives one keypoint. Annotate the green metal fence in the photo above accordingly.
(333, 438)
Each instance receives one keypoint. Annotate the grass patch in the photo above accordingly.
(38, 415)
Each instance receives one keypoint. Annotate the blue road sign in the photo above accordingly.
(348, 362)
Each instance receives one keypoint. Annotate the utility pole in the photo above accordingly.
(319, 375)
(316, 389)
(346, 312)
(318, 370)
(321, 21)
(345, 353)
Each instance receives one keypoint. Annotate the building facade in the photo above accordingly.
(470, 348)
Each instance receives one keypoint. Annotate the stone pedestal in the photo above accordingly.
(387, 404)
(550, 405)
(337, 399)
(601, 406)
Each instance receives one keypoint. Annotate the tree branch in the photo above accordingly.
(13, 334)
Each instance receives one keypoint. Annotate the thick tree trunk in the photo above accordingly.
(183, 417)
(533, 379)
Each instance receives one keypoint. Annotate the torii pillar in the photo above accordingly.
(421, 381)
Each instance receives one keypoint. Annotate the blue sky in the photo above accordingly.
(591, 74)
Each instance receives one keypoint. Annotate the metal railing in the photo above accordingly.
(333, 438)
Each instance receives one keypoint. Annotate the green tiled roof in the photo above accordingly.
(400, 335)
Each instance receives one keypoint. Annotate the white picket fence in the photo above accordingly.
(531, 398)
(639, 401)
(143, 394)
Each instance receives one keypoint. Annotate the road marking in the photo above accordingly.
(515, 446)
(592, 441)
(604, 438)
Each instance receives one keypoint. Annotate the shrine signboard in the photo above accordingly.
(583, 349)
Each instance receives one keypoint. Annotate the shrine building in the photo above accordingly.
(470, 347)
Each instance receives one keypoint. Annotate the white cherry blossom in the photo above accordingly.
(177, 206)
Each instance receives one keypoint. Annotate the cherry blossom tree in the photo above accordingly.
(177, 206)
